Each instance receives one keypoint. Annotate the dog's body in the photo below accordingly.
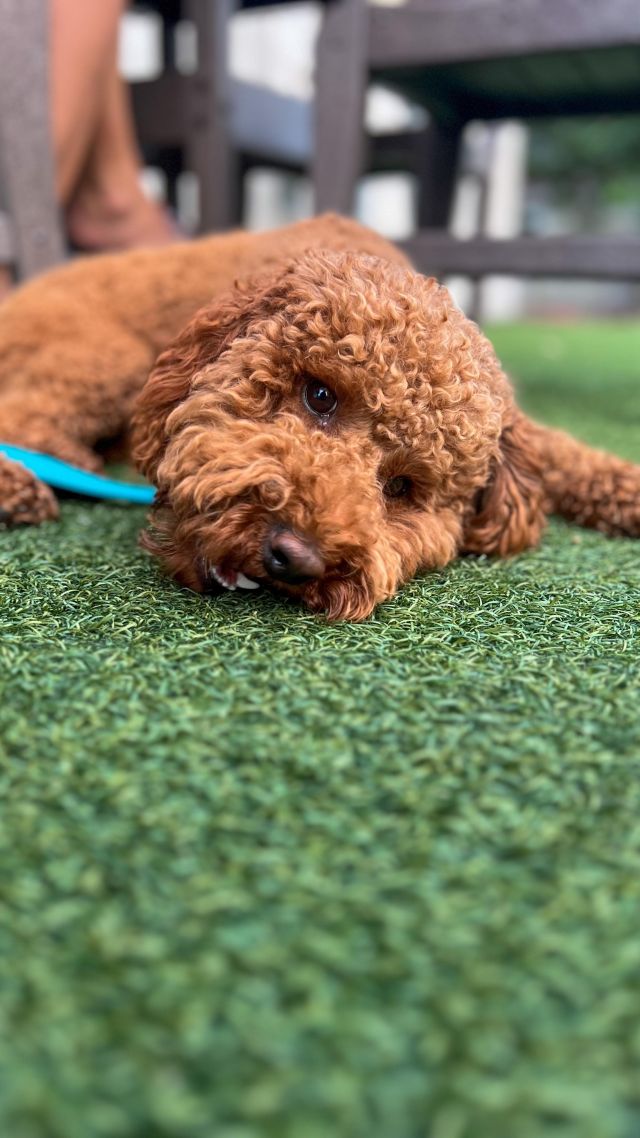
(330, 428)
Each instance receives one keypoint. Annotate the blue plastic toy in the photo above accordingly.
(63, 476)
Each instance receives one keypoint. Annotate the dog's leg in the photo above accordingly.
(586, 486)
(63, 400)
(24, 500)
(28, 426)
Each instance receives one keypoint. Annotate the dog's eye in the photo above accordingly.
(397, 487)
(318, 398)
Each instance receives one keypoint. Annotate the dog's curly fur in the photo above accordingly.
(223, 429)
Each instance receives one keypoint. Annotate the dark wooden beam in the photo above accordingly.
(340, 145)
(422, 34)
(605, 258)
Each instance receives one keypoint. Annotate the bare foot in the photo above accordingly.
(97, 223)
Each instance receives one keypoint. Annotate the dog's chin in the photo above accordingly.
(225, 554)
(335, 598)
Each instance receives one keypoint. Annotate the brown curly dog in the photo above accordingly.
(329, 429)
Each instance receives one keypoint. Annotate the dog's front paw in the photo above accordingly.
(24, 500)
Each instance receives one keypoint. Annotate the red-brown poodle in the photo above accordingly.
(329, 428)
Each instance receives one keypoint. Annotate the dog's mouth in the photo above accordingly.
(232, 578)
(337, 597)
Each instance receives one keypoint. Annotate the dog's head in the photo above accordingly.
(331, 431)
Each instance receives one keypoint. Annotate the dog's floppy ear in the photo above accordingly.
(509, 514)
(207, 335)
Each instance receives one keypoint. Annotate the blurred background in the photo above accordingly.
(499, 139)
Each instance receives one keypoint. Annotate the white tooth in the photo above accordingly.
(244, 582)
(221, 580)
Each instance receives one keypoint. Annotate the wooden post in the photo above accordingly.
(210, 153)
(437, 169)
(341, 83)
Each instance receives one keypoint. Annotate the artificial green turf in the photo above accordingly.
(261, 877)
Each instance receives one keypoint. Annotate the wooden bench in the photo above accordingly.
(218, 128)
(475, 59)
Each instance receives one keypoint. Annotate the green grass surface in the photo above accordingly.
(261, 877)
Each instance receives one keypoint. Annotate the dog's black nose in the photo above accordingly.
(288, 557)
